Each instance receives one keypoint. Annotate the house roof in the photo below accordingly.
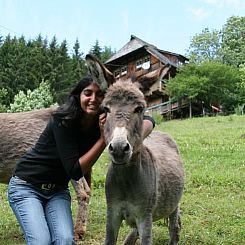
(136, 43)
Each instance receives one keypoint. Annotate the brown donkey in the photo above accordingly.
(18, 133)
(145, 179)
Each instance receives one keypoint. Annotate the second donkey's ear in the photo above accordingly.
(99, 72)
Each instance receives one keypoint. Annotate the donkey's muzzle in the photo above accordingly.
(120, 151)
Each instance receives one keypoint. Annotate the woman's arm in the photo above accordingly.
(147, 128)
(68, 149)
(148, 125)
(87, 160)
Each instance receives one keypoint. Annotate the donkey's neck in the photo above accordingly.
(134, 175)
(139, 160)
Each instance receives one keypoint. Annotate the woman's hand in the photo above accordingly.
(102, 120)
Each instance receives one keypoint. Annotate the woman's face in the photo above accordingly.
(91, 98)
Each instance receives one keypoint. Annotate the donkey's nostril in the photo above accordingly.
(118, 148)
(126, 148)
(110, 148)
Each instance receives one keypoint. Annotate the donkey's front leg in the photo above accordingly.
(113, 223)
(144, 225)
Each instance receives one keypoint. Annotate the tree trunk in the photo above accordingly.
(190, 110)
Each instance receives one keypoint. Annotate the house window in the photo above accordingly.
(143, 63)
(146, 59)
(117, 73)
(138, 64)
(146, 63)
(124, 71)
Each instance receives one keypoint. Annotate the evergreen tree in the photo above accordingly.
(9, 77)
(96, 50)
(78, 63)
(3, 94)
(106, 54)
(53, 61)
(1, 40)
(63, 77)
(37, 61)
(23, 65)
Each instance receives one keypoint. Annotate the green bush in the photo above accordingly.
(239, 110)
(40, 97)
(157, 118)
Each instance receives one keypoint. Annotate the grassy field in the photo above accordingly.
(213, 205)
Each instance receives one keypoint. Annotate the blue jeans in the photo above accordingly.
(44, 217)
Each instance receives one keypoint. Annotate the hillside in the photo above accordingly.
(213, 205)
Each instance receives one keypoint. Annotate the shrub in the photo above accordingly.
(40, 97)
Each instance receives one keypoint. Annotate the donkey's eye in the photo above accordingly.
(106, 109)
(139, 109)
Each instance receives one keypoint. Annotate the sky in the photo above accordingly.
(167, 24)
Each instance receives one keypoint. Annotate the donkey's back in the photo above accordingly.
(169, 173)
(19, 132)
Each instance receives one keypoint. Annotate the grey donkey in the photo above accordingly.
(145, 179)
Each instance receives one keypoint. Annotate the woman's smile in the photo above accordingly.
(91, 98)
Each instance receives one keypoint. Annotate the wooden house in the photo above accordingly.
(151, 66)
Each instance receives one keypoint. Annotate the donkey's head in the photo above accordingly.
(124, 105)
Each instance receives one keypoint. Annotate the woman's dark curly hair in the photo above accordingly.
(71, 109)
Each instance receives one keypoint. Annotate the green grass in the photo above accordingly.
(213, 205)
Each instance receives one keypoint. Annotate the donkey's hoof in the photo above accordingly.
(79, 233)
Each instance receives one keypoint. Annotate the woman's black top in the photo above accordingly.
(55, 156)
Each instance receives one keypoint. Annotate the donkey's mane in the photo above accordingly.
(124, 92)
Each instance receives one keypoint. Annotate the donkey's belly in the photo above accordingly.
(163, 211)
(130, 213)
(168, 198)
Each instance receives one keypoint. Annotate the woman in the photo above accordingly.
(67, 149)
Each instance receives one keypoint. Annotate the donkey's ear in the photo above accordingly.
(99, 72)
